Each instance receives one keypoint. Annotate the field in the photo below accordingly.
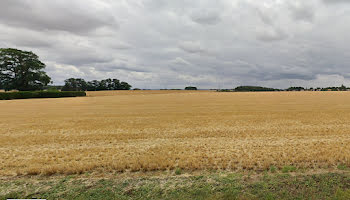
(131, 131)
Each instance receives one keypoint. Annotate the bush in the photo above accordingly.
(40, 94)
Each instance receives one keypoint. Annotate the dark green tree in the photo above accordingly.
(115, 84)
(78, 84)
(295, 89)
(342, 88)
(124, 86)
(103, 85)
(21, 70)
(254, 89)
(75, 84)
(92, 85)
(190, 88)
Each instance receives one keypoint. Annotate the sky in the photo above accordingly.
(158, 44)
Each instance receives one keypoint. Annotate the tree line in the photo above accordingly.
(23, 71)
(265, 89)
(79, 84)
(341, 88)
(254, 89)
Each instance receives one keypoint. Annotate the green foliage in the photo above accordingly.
(208, 186)
(288, 168)
(53, 88)
(190, 88)
(178, 171)
(342, 167)
(341, 88)
(75, 84)
(21, 70)
(254, 89)
(225, 90)
(342, 194)
(273, 169)
(78, 84)
(295, 89)
(39, 94)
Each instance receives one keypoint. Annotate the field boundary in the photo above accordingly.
(40, 94)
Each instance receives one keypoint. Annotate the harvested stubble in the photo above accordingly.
(194, 130)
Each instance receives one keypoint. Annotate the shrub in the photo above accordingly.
(39, 94)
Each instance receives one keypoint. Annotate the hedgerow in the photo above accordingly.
(40, 94)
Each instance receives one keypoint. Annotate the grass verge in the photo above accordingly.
(184, 186)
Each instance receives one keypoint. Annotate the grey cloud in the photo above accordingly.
(192, 47)
(32, 41)
(335, 1)
(64, 15)
(24, 37)
(180, 61)
(84, 59)
(158, 44)
(120, 46)
(110, 67)
(267, 72)
(302, 11)
(206, 17)
(265, 16)
(270, 35)
(271, 31)
(281, 76)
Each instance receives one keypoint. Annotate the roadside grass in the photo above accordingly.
(178, 171)
(343, 167)
(288, 168)
(218, 185)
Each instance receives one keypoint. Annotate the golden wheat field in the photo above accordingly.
(161, 130)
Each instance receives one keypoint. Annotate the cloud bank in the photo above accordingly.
(173, 44)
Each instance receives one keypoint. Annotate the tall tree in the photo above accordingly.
(93, 85)
(21, 70)
(75, 84)
(116, 84)
(124, 86)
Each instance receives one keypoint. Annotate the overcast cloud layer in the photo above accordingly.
(176, 43)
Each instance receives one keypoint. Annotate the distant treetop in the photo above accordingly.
(190, 88)
(295, 89)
